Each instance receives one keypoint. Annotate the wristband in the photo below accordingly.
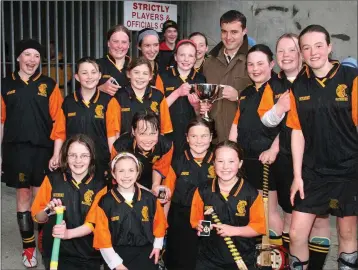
(48, 211)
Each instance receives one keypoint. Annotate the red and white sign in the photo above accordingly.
(140, 14)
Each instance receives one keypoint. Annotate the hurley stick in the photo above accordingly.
(229, 242)
(56, 241)
(265, 255)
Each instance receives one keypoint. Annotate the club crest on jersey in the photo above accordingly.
(87, 197)
(115, 218)
(11, 92)
(99, 111)
(241, 210)
(42, 90)
(145, 215)
(341, 93)
(211, 172)
(154, 106)
(21, 177)
(334, 204)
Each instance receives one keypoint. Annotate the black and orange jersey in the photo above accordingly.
(109, 69)
(91, 118)
(252, 135)
(326, 110)
(123, 223)
(190, 173)
(275, 87)
(126, 104)
(181, 111)
(243, 206)
(158, 159)
(29, 109)
(77, 198)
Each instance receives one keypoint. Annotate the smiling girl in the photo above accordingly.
(324, 120)
(152, 149)
(237, 204)
(148, 44)
(192, 168)
(273, 110)
(115, 63)
(130, 221)
(139, 96)
(201, 49)
(30, 103)
(74, 187)
(85, 111)
(175, 84)
(259, 143)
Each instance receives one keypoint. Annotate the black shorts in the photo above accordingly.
(253, 171)
(74, 263)
(182, 240)
(136, 258)
(338, 197)
(24, 164)
(283, 172)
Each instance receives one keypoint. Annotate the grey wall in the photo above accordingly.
(267, 20)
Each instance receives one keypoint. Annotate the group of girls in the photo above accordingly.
(145, 123)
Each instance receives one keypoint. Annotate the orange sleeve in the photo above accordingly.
(237, 117)
(197, 209)
(170, 180)
(165, 121)
(42, 198)
(59, 128)
(3, 111)
(162, 165)
(159, 84)
(91, 215)
(113, 118)
(102, 235)
(113, 152)
(266, 101)
(257, 216)
(292, 117)
(355, 101)
(160, 222)
(55, 102)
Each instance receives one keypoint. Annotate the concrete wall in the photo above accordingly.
(267, 20)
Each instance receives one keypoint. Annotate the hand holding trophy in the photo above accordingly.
(207, 93)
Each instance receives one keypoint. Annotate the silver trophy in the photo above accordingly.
(208, 93)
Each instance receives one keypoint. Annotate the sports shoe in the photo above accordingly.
(29, 257)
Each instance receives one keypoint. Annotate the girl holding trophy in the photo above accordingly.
(175, 84)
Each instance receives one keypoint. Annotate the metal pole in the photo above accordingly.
(73, 42)
(64, 73)
(48, 38)
(56, 42)
(30, 19)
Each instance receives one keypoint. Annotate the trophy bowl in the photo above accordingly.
(208, 93)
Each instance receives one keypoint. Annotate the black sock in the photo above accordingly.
(286, 240)
(319, 248)
(26, 227)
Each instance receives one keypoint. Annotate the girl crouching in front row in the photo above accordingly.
(130, 221)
